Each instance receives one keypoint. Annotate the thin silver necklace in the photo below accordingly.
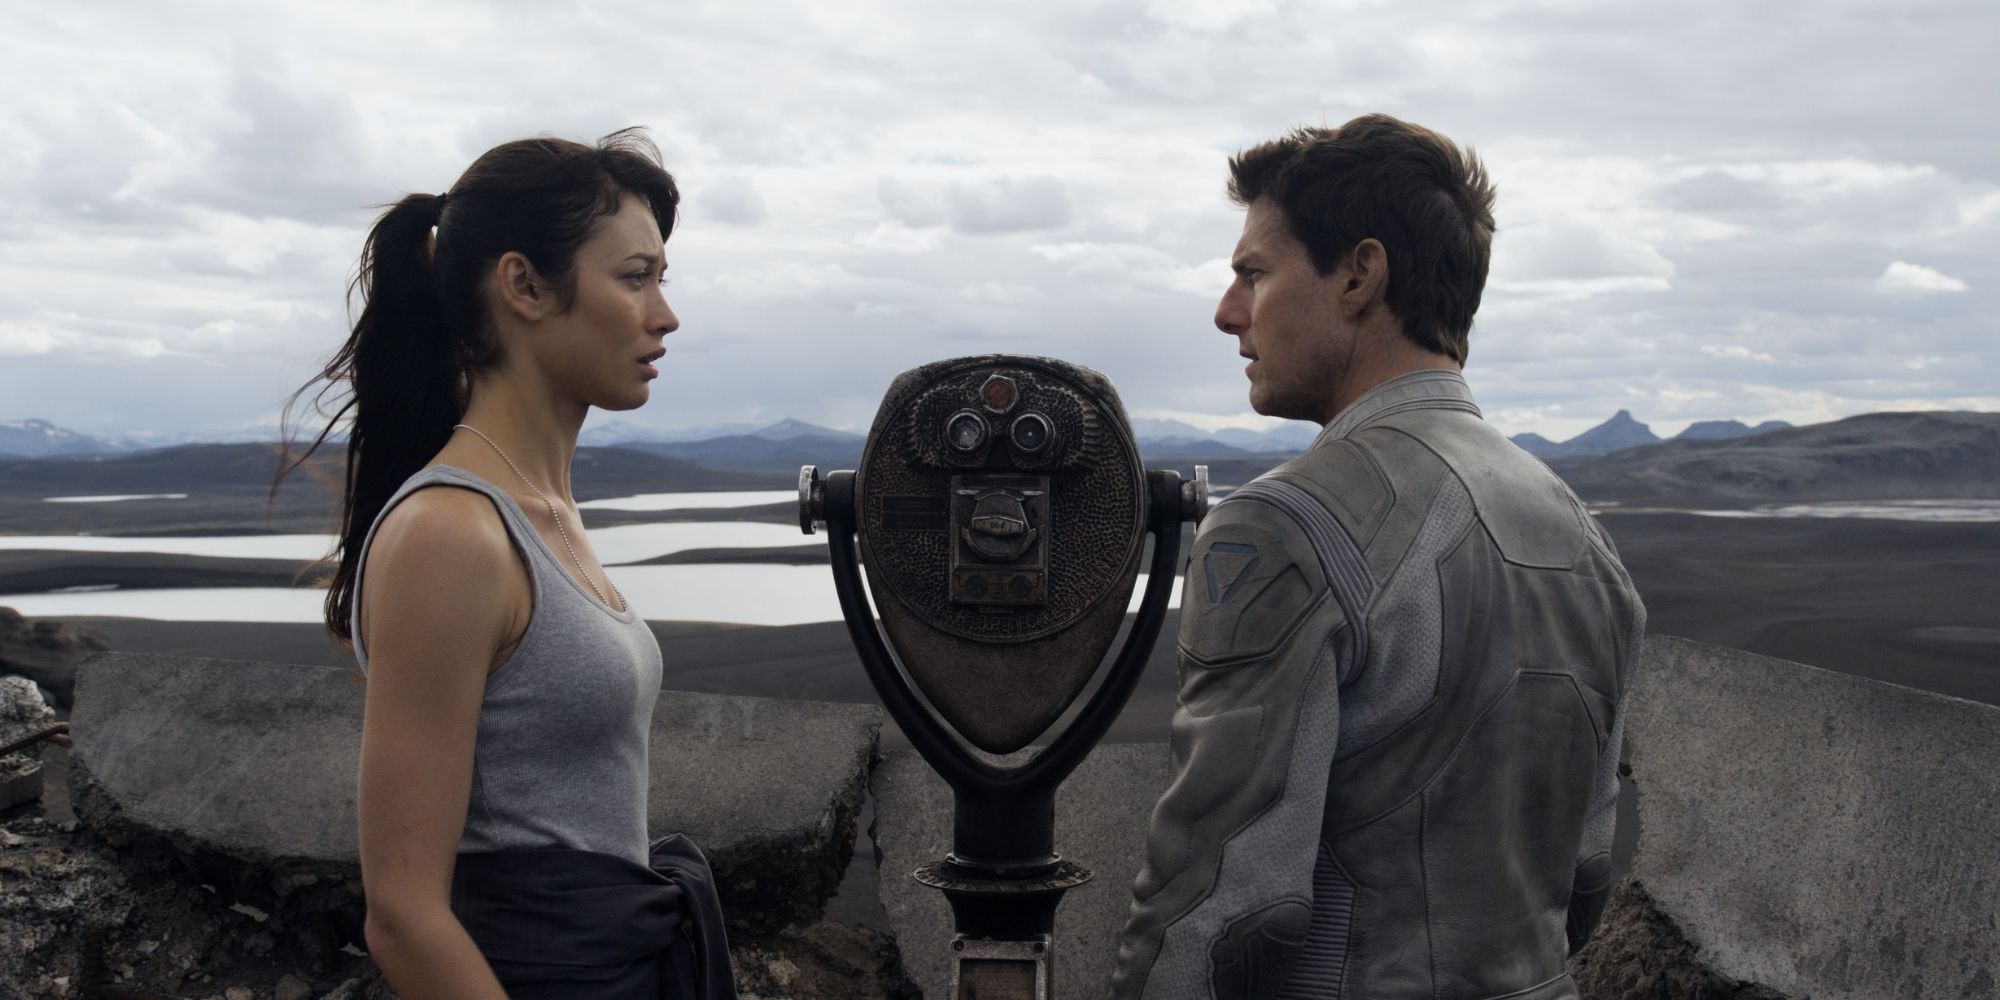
(560, 530)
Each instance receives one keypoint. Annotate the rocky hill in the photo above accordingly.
(208, 468)
(1876, 456)
(777, 450)
(227, 488)
(1717, 430)
(1624, 431)
(38, 438)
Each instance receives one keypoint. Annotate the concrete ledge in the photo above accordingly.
(250, 760)
(770, 790)
(1821, 834)
(251, 765)
(1101, 814)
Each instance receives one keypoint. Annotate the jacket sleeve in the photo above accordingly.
(1590, 889)
(1224, 899)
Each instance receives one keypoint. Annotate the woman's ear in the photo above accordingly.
(522, 290)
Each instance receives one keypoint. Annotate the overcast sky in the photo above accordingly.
(1707, 208)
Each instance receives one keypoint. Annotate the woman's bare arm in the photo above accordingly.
(445, 594)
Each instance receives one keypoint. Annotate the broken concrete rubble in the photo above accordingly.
(80, 918)
(46, 652)
(23, 712)
(1639, 953)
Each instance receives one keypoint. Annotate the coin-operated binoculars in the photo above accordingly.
(1001, 510)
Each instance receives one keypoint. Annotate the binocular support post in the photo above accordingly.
(1003, 876)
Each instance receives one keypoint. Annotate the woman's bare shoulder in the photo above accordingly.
(443, 554)
(452, 529)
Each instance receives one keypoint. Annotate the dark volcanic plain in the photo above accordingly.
(1912, 603)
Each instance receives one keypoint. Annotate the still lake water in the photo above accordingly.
(742, 594)
(624, 543)
(691, 501)
(117, 497)
(745, 593)
(1927, 511)
(1936, 511)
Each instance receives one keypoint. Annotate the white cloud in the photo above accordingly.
(1208, 15)
(976, 205)
(1000, 293)
(1575, 259)
(824, 281)
(55, 336)
(1814, 180)
(877, 185)
(1735, 352)
(897, 238)
(1132, 267)
(1008, 204)
(1905, 278)
(911, 203)
(734, 200)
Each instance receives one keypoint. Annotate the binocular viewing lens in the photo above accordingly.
(965, 431)
(1030, 431)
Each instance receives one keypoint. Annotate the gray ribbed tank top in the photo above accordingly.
(561, 753)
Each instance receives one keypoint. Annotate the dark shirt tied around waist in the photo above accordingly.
(557, 922)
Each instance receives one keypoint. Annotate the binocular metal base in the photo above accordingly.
(1006, 924)
(1002, 970)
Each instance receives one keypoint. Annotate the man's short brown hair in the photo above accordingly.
(1426, 200)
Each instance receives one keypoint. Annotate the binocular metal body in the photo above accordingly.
(1002, 512)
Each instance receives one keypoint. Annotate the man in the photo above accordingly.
(1404, 652)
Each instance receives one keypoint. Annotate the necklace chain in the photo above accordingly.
(560, 530)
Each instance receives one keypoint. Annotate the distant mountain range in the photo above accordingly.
(724, 445)
(1622, 431)
(1875, 456)
(203, 469)
(41, 439)
(1170, 437)
(1937, 455)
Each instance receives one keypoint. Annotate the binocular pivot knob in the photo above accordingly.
(812, 499)
(1194, 496)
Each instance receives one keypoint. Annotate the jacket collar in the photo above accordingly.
(1429, 389)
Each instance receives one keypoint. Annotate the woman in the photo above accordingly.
(510, 687)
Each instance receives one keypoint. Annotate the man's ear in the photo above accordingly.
(1365, 277)
(522, 290)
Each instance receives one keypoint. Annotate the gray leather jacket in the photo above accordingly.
(1404, 656)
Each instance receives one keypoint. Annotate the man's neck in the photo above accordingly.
(1380, 366)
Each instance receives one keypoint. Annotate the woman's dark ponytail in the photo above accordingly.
(422, 334)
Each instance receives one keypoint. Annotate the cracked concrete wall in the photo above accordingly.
(256, 762)
(216, 801)
(1820, 834)
(1802, 833)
